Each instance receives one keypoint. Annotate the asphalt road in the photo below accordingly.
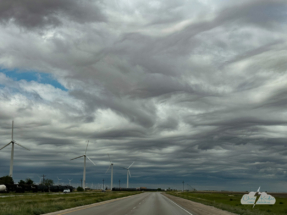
(142, 204)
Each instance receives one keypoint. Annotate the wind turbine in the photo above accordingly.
(58, 180)
(70, 181)
(112, 172)
(12, 150)
(84, 173)
(128, 173)
(40, 179)
(192, 188)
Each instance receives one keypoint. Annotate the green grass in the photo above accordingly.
(231, 202)
(39, 204)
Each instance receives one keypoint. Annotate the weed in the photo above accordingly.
(38, 211)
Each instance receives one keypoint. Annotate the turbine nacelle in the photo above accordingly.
(111, 165)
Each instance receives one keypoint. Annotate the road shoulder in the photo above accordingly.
(197, 208)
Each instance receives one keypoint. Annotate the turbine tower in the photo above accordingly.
(112, 172)
(58, 180)
(70, 181)
(128, 174)
(84, 173)
(40, 179)
(12, 150)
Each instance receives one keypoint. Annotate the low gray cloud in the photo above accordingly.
(190, 91)
(47, 13)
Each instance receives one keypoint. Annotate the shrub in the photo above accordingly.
(58, 207)
(6, 180)
(80, 189)
(38, 211)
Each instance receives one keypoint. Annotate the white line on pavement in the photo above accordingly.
(179, 206)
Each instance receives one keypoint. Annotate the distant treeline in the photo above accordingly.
(36, 188)
(29, 186)
(135, 189)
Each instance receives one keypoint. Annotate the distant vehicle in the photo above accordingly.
(3, 188)
(66, 191)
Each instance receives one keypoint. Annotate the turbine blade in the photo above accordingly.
(130, 165)
(12, 129)
(108, 168)
(90, 160)
(5, 145)
(109, 158)
(87, 147)
(22, 146)
(78, 157)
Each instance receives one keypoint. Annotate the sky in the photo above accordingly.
(189, 90)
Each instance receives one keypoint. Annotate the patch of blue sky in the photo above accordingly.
(43, 78)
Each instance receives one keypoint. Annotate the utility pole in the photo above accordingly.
(119, 183)
(103, 184)
(183, 186)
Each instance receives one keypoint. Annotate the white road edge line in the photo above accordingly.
(178, 205)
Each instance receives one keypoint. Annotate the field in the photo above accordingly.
(231, 202)
(35, 204)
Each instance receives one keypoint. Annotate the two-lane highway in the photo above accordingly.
(142, 204)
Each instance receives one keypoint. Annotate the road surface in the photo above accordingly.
(141, 204)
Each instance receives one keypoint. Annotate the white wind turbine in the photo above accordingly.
(128, 173)
(40, 179)
(58, 180)
(12, 150)
(84, 173)
(112, 172)
(70, 181)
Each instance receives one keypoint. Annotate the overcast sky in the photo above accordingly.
(192, 90)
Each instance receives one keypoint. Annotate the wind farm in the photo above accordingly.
(143, 107)
(163, 195)
(45, 185)
(58, 179)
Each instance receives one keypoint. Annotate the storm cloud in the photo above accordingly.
(43, 14)
(192, 91)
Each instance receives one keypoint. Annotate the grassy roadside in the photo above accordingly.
(41, 204)
(231, 202)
